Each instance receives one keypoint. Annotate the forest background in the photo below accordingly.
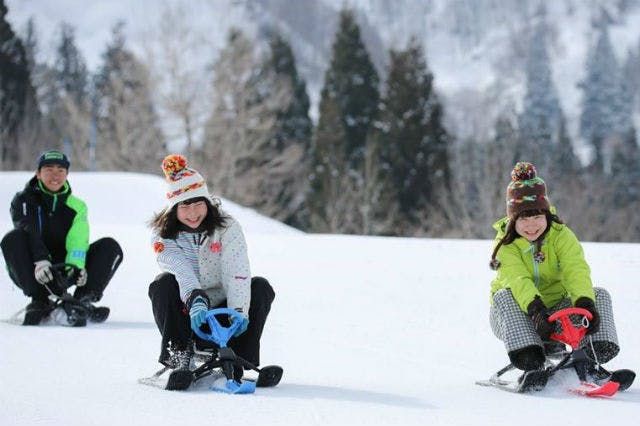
(373, 117)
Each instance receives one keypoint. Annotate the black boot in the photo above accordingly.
(181, 376)
(36, 311)
(95, 313)
(528, 358)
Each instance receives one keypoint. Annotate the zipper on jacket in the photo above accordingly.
(40, 219)
(55, 201)
(536, 272)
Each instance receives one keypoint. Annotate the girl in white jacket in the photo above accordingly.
(202, 253)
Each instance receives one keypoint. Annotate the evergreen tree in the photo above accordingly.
(128, 135)
(541, 116)
(350, 95)
(564, 159)
(601, 117)
(294, 122)
(18, 105)
(257, 139)
(625, 170)
(70, 67)
(414, 142)
(328, 205)
(352, 81)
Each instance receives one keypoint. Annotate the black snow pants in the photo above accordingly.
(103, 258)
(172, 318)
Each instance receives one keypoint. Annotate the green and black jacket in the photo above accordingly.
(56, 223)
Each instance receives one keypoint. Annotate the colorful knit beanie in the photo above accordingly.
(183, 182)
(53, 157)
(526, 191)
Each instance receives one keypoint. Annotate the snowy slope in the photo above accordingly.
(369, 330)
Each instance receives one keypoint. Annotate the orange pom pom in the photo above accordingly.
(172, 165)
(158, 247)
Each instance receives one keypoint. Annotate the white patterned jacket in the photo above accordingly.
(218, 264)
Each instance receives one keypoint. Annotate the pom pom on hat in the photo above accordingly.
(183, 182)
(523, 171)
(174, 167)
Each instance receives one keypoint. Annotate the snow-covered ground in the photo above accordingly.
(369, 331)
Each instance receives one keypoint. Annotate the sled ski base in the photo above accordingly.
(534, 380)
(269, 376)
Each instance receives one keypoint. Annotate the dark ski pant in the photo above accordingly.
(172, 317)
(103, 258)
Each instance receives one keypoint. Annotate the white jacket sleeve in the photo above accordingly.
(236, 274)
(171, 259)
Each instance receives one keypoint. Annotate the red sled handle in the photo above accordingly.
(570, 334)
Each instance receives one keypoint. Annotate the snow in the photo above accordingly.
(369, 330)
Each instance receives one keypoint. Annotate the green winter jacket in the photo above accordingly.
(563, 273)
(56, 223)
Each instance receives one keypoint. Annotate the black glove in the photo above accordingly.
(539, 315)
(594, 323)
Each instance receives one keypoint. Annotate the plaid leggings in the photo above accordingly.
(514, 327)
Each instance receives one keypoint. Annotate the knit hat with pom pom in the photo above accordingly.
(526, 191)
(183, 182)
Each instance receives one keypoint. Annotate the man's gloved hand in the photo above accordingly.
(43, 272)
(198, 311)
(243, 325)
(537, 311)
(77, 277)
(586, 303)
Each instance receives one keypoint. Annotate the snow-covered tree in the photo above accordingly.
(352, 81)
(603, 118)
(257, 138)
(18, 105)
(541, 116)
(350, 95)
(128, 134)
(414, 142)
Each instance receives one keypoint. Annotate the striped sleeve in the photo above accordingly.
(179, 260)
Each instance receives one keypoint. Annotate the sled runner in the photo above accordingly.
(595, 380)
(221, 361)
(76, 311)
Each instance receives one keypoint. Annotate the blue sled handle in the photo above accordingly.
(220, 335)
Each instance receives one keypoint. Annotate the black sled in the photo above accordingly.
(595, 380)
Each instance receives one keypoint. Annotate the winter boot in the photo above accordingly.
(96, 313)
(181, 376)
(528, 358)
(36, 311)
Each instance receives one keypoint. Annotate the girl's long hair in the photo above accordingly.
(166, 223)
(511, 234)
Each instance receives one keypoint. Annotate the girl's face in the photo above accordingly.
(531, 227)
(192, 214)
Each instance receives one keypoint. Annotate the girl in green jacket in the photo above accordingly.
(540, 269)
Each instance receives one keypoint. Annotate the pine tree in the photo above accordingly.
(352, 81)
(542, 114)
(350, 97)
(70, 67)
(414, 141)
(330, 207)
(18, 105)
(257, 139)
(625, 170)
(601, 118)
(128, 135)
(564, 159)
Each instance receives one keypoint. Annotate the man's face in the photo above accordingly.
(52, 176)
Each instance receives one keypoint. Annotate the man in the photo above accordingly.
(51, 227)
